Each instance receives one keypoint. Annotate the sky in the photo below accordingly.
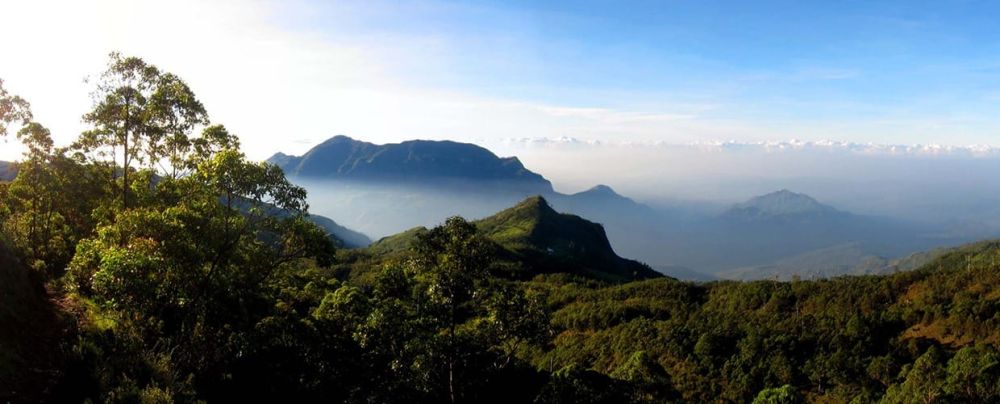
(285, 75)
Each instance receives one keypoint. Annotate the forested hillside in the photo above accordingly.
(531, 238)
(146, 263)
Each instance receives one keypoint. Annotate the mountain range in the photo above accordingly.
(381, 190)
(358, 189)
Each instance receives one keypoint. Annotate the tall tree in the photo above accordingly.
(453, 261)
(141, 115)
(33, 222)
(193, 275)
(12, 109)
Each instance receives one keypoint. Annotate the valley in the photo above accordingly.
(380, 190)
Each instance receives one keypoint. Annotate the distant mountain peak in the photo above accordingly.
(602, 189)
(600, 192)
(782, 202)
(344, 158)
(339, 140)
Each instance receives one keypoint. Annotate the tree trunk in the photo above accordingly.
(125, 176)
(451, 353)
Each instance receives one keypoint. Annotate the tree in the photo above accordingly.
(194, 276)
(923, 381)
(12, 109)
(516, 318)
(974, 374)
(573, 384)
(141, 115)
(453, 261)
(37, 229)
(778, 395)
(49, 205)
(651, 382)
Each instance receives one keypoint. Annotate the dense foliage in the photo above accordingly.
(200, 278)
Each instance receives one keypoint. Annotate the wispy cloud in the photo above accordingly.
(767, 146)
(389, 71)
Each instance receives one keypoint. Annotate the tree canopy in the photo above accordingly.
(152, 261)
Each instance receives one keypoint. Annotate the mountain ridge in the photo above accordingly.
(342, 157)
(546, 241)
(765, 231)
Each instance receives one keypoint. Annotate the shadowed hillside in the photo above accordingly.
(558, 242)
(544, 241)
(437, 162)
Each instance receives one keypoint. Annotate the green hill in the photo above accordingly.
(549, 241)
(342, 236)
(396, 243)
(544, 241)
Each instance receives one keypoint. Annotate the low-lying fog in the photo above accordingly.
(920, 183)
(380, 210)
(907, 200)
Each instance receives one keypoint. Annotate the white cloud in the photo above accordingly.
(766, 146)
(284, 75)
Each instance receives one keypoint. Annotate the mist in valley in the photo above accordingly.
(930, 184)
(667, 205)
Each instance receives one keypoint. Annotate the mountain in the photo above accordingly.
(602, 193)
(543, 241)
(635, 229)
(600, 200)
(341, 235)
(783, 204)
(784, 234)
(849, 258)
(559, 242)
(439, 162)
(799, 235)
(382, 190)
(846, 259)
(8, 171)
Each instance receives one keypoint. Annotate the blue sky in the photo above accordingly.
(675, 71)
(761, 61)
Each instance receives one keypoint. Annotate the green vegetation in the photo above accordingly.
(201, 278)
(833, 340)
(533, 238)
